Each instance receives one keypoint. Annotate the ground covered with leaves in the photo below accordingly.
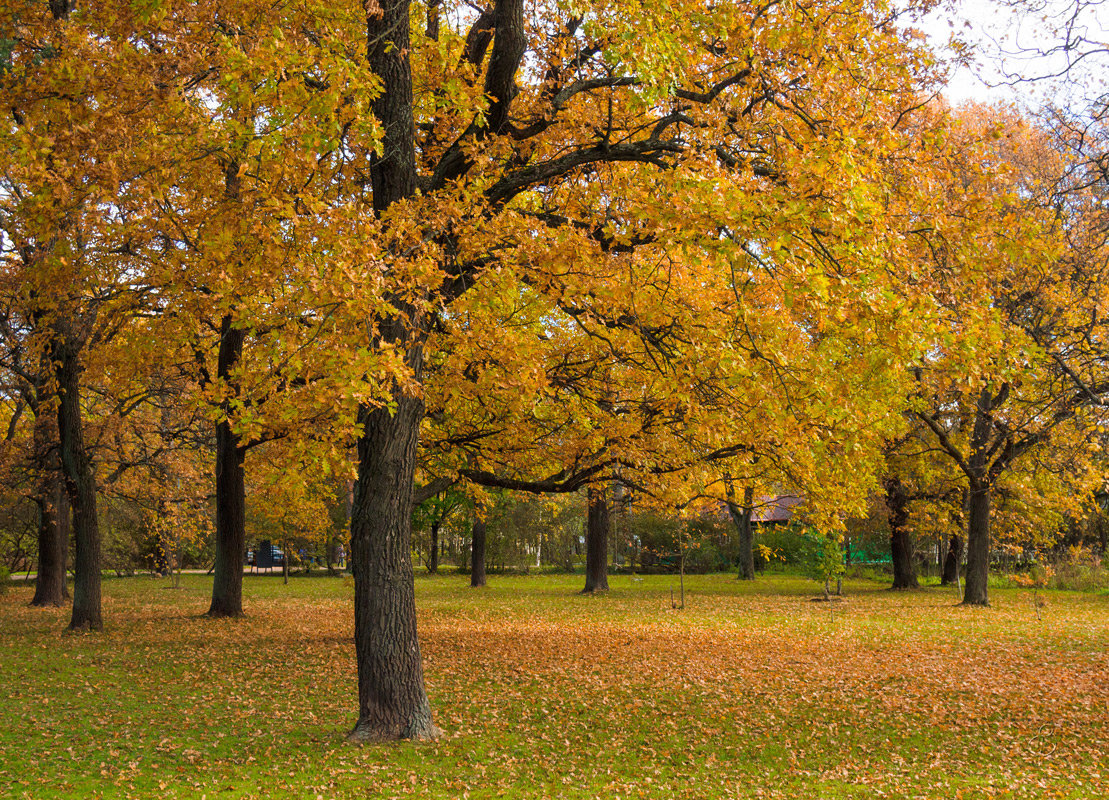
(750, 691)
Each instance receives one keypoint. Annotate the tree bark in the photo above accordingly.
(596, 542)
(975, 592)
(53, 513)
(433, 560)
(953, 558)
(392, 701)
(227, 582)
(477, 549)
(80, 485)
(901, 543)
(741, 516)
(951, 562)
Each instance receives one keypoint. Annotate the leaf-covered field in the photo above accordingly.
(751, 691)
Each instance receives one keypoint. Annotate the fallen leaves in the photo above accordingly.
(748, 692)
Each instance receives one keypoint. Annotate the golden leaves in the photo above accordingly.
(750, 690)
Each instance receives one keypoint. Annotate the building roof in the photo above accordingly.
(775, 508)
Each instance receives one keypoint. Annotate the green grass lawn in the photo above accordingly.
(750, 691)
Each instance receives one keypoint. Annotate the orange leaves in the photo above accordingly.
(543, 692)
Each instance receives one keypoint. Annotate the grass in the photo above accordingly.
(751, 691)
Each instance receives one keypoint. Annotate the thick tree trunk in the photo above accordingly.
(227, 581)
(433, 560)
(741, 516)
(392, 702)
(901, 543)
(53, 514)
(975, 592)
(477, 549)
(951, 562)
(596, 542)
(81, 486)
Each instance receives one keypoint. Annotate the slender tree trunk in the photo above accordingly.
(227, 582)
(681, 578)
(392, 701)
(741, 516)
(53, 514)
(81, 486)
(433, 562)
(477, 549)
(596, 542)
(951, 562)
(432, 30)
(901, 543)
(975, 592)
(954, 555)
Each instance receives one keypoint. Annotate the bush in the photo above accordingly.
(1080, 570)
(1076, 568)
(869, 572)
(705, 557)
(660, 541)
(786, 545)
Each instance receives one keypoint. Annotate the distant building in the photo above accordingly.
(775, 509)
(768, 509)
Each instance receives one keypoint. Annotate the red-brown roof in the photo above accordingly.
(779, 508)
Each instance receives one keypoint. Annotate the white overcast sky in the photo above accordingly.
(1004, 37)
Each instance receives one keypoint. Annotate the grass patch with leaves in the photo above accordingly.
(751, 691)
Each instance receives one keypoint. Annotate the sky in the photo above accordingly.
(1010, 36)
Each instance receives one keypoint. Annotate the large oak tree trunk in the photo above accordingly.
(81, 486)
(596, 542)
(477, 549)
(392, 702)
(741, 516)
(53, 514)
(227, 582)
(975, 592)
(901, 543)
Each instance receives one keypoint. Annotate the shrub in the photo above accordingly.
(706, 557)
(869, 572)
(787, 545)
(1079, 569)
(1076, 568)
